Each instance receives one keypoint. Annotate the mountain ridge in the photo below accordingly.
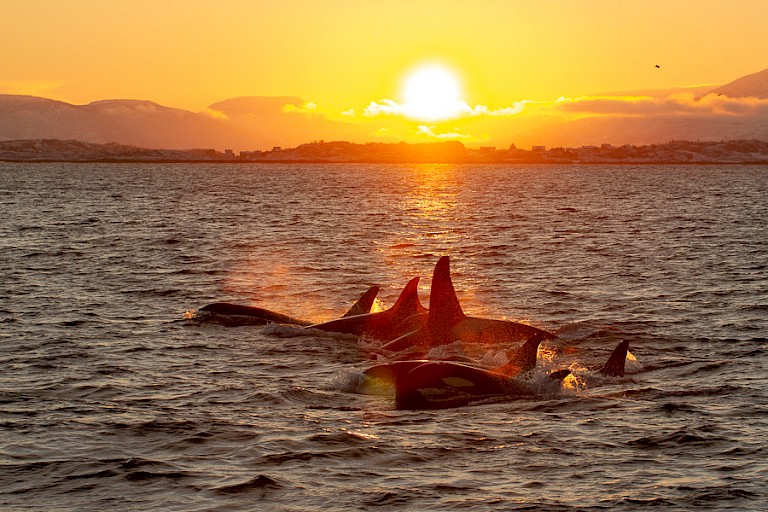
(134, 122)
(660, 128)
(749, 86)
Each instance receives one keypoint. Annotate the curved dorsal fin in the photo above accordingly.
(444, 308)
(364, 303)
(408, 303)
(524, 360)
(615, 365)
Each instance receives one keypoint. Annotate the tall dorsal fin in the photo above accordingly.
(615, 365)
(444, 308)
(408, 303)
(364, 303)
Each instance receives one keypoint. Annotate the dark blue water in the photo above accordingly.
(109, 398)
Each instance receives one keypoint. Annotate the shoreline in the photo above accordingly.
(731, 152)
(382, 162)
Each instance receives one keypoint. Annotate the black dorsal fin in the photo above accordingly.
(525, 357)
(408, 303)
(444, 308)
(364, 303)
(615, 365)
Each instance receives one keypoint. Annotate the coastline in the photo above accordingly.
(403, 162)
(735, 152)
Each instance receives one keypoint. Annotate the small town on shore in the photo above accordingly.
(690, 152)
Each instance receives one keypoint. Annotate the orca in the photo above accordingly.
(522, 361)
(446, 321)
(444, 384)
(236, 314)
(615, 365)
(383, 325)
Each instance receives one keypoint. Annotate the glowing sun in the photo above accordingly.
(432, 93)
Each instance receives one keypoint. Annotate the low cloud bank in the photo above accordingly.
(387, 119)
(682, 103)
(679, 103)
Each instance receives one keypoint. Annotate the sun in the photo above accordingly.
(432, 93)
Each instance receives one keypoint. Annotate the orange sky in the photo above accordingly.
(344, 54)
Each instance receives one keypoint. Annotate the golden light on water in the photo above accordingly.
(434, 195)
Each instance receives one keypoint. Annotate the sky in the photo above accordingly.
(346, 56)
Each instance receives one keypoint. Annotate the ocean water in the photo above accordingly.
(111, 399)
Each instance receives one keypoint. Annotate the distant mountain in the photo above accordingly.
(754, 85)
(658, 128)
(140, 123)
(247, 123)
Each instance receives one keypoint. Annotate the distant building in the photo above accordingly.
(539, 148)
(487, 149)
(276, 149)
(229, 153)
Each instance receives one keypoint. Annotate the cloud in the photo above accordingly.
(675, 104)
(215, 114)
(307, 108)
(384, 107)
(517, 108)
(429, 131)
(390, 108)
(683, 103)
